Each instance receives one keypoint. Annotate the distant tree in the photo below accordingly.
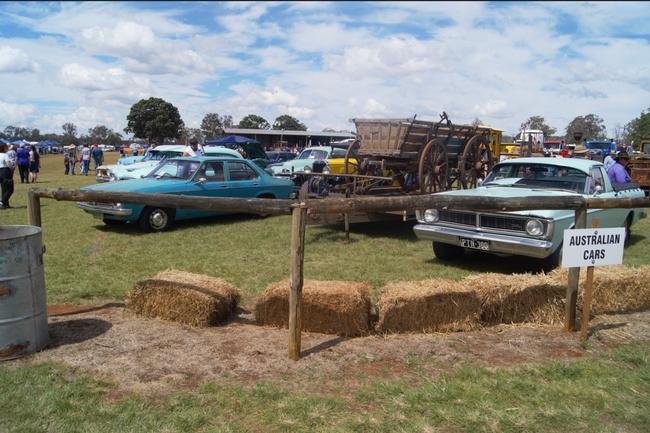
(154, 119)
(212, 125)
(227, 121)
(253, 121)
(638, 129)
(69, 133)
(476, 122)
(21, 133)
(591, 126)
(190, 133)
(98, 134)
(113, 138)
(287, 122)
(537, 122)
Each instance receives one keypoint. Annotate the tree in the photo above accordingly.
(537, 122)
(69, 133)
(190, 133)
(98, 134)
(253, 121)
(212, 125)
(227, 121)
(591, 126)
(639, 129)
(476, 122)
(286, 122)
(154, 119)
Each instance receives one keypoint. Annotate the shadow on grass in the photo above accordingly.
(635, 238)
(322, 346)
(384, 229)
(477, 261)
(76, 331)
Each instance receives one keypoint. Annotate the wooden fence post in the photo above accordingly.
(587, 294)
(33, 208)
(296, 267)
(574, 278)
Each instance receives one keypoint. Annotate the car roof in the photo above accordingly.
(166, 147)
(577, 163)
(208, 158)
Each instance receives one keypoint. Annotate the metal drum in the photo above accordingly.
(23, 310)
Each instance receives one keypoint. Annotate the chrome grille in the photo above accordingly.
(454, 217)
(503, 223)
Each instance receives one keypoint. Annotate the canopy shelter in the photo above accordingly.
(253, 148)
(2, 140)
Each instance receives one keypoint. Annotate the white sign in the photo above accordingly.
(593, 247)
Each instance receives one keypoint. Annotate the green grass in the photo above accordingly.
(88, 261)
(609, 393)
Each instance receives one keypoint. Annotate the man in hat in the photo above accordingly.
(617, 172)
(580, 151)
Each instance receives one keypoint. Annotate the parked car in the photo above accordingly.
(110, 173)
(335, 157)
(279, 156)
(199, 176)
(536, 233)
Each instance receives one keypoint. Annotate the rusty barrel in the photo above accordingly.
(23, 310)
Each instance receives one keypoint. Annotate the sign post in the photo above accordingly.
(592, 247)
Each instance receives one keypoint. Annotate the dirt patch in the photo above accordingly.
(156, 357)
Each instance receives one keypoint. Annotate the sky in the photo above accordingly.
(324, 62)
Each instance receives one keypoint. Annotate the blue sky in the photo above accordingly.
(324, 62)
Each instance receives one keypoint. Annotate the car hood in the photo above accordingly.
(135, 185)
(296, 164)
(513, 192)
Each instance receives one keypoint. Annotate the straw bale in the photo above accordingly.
(435, 305)
(192, 299)
(518, 298)
(616, 289)
(329, 307)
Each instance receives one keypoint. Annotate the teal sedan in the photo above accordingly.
(198, 176)
(536, 233)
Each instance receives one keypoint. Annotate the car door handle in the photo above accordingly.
(256, 184)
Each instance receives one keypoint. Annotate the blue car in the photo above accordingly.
(199, 176)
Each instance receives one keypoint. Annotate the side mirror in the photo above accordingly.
(201, 181)
(479, 182)
(598, 189)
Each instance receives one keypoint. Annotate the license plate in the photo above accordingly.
(475, 244)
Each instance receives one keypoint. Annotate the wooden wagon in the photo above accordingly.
(419, 156)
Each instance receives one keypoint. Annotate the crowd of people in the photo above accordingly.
(28, 162)
(72, 156)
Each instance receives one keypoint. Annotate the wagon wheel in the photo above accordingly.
(354, 164)
(433, 168)
(476, 161)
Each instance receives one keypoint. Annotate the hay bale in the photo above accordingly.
(427, 306)
(330, 307)
(616, 289)
(184, 297)
(518, 298)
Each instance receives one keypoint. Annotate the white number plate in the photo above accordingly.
(475, 244)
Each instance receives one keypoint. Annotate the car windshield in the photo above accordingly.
(174, 169)
(156, 155)
(600, 146)
(537, 176)
(313, 154)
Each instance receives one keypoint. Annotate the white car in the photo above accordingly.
(110, 173)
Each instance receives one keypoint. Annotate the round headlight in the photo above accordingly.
(431, 215)
(326, 171)
(307, 169)
(534, 227)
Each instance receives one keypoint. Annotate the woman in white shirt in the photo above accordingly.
(6, 178)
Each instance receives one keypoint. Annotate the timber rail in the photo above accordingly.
(300, 207)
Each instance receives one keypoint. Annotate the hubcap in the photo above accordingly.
(158, 219)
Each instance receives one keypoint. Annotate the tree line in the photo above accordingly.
(157, 120)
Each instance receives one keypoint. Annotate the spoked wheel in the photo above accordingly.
(475, 162)
(351, 159)
(433, 168)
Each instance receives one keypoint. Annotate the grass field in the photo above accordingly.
(89, 262)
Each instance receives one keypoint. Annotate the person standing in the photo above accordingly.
(22, 161)
(85, 159)
(34, 163)
(98, 156)
(609, 160)
(6, 179)
(194, 149)
(617, 173)
(11, 154)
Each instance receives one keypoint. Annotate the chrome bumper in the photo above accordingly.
(104, 209)
(517, 245)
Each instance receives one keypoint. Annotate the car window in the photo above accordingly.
(338, 153)
(538, 176)
(595, 179)
(176, 169)
(241, 171)
(313, 154)
(213, 171)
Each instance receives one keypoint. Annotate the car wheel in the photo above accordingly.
(110, 222)
(156, 219)
(446, 251)
(553, 261)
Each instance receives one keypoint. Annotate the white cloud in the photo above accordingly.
(15, 113)
(15, 60)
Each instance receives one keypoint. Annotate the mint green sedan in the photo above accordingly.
(537, 233)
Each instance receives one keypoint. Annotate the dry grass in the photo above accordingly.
(192, 299)
(427, 306)
(331, 307)
(518, 298)
(616, 289)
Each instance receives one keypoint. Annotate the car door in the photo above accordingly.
(243, 180)
(606, 217)
(209, 180)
